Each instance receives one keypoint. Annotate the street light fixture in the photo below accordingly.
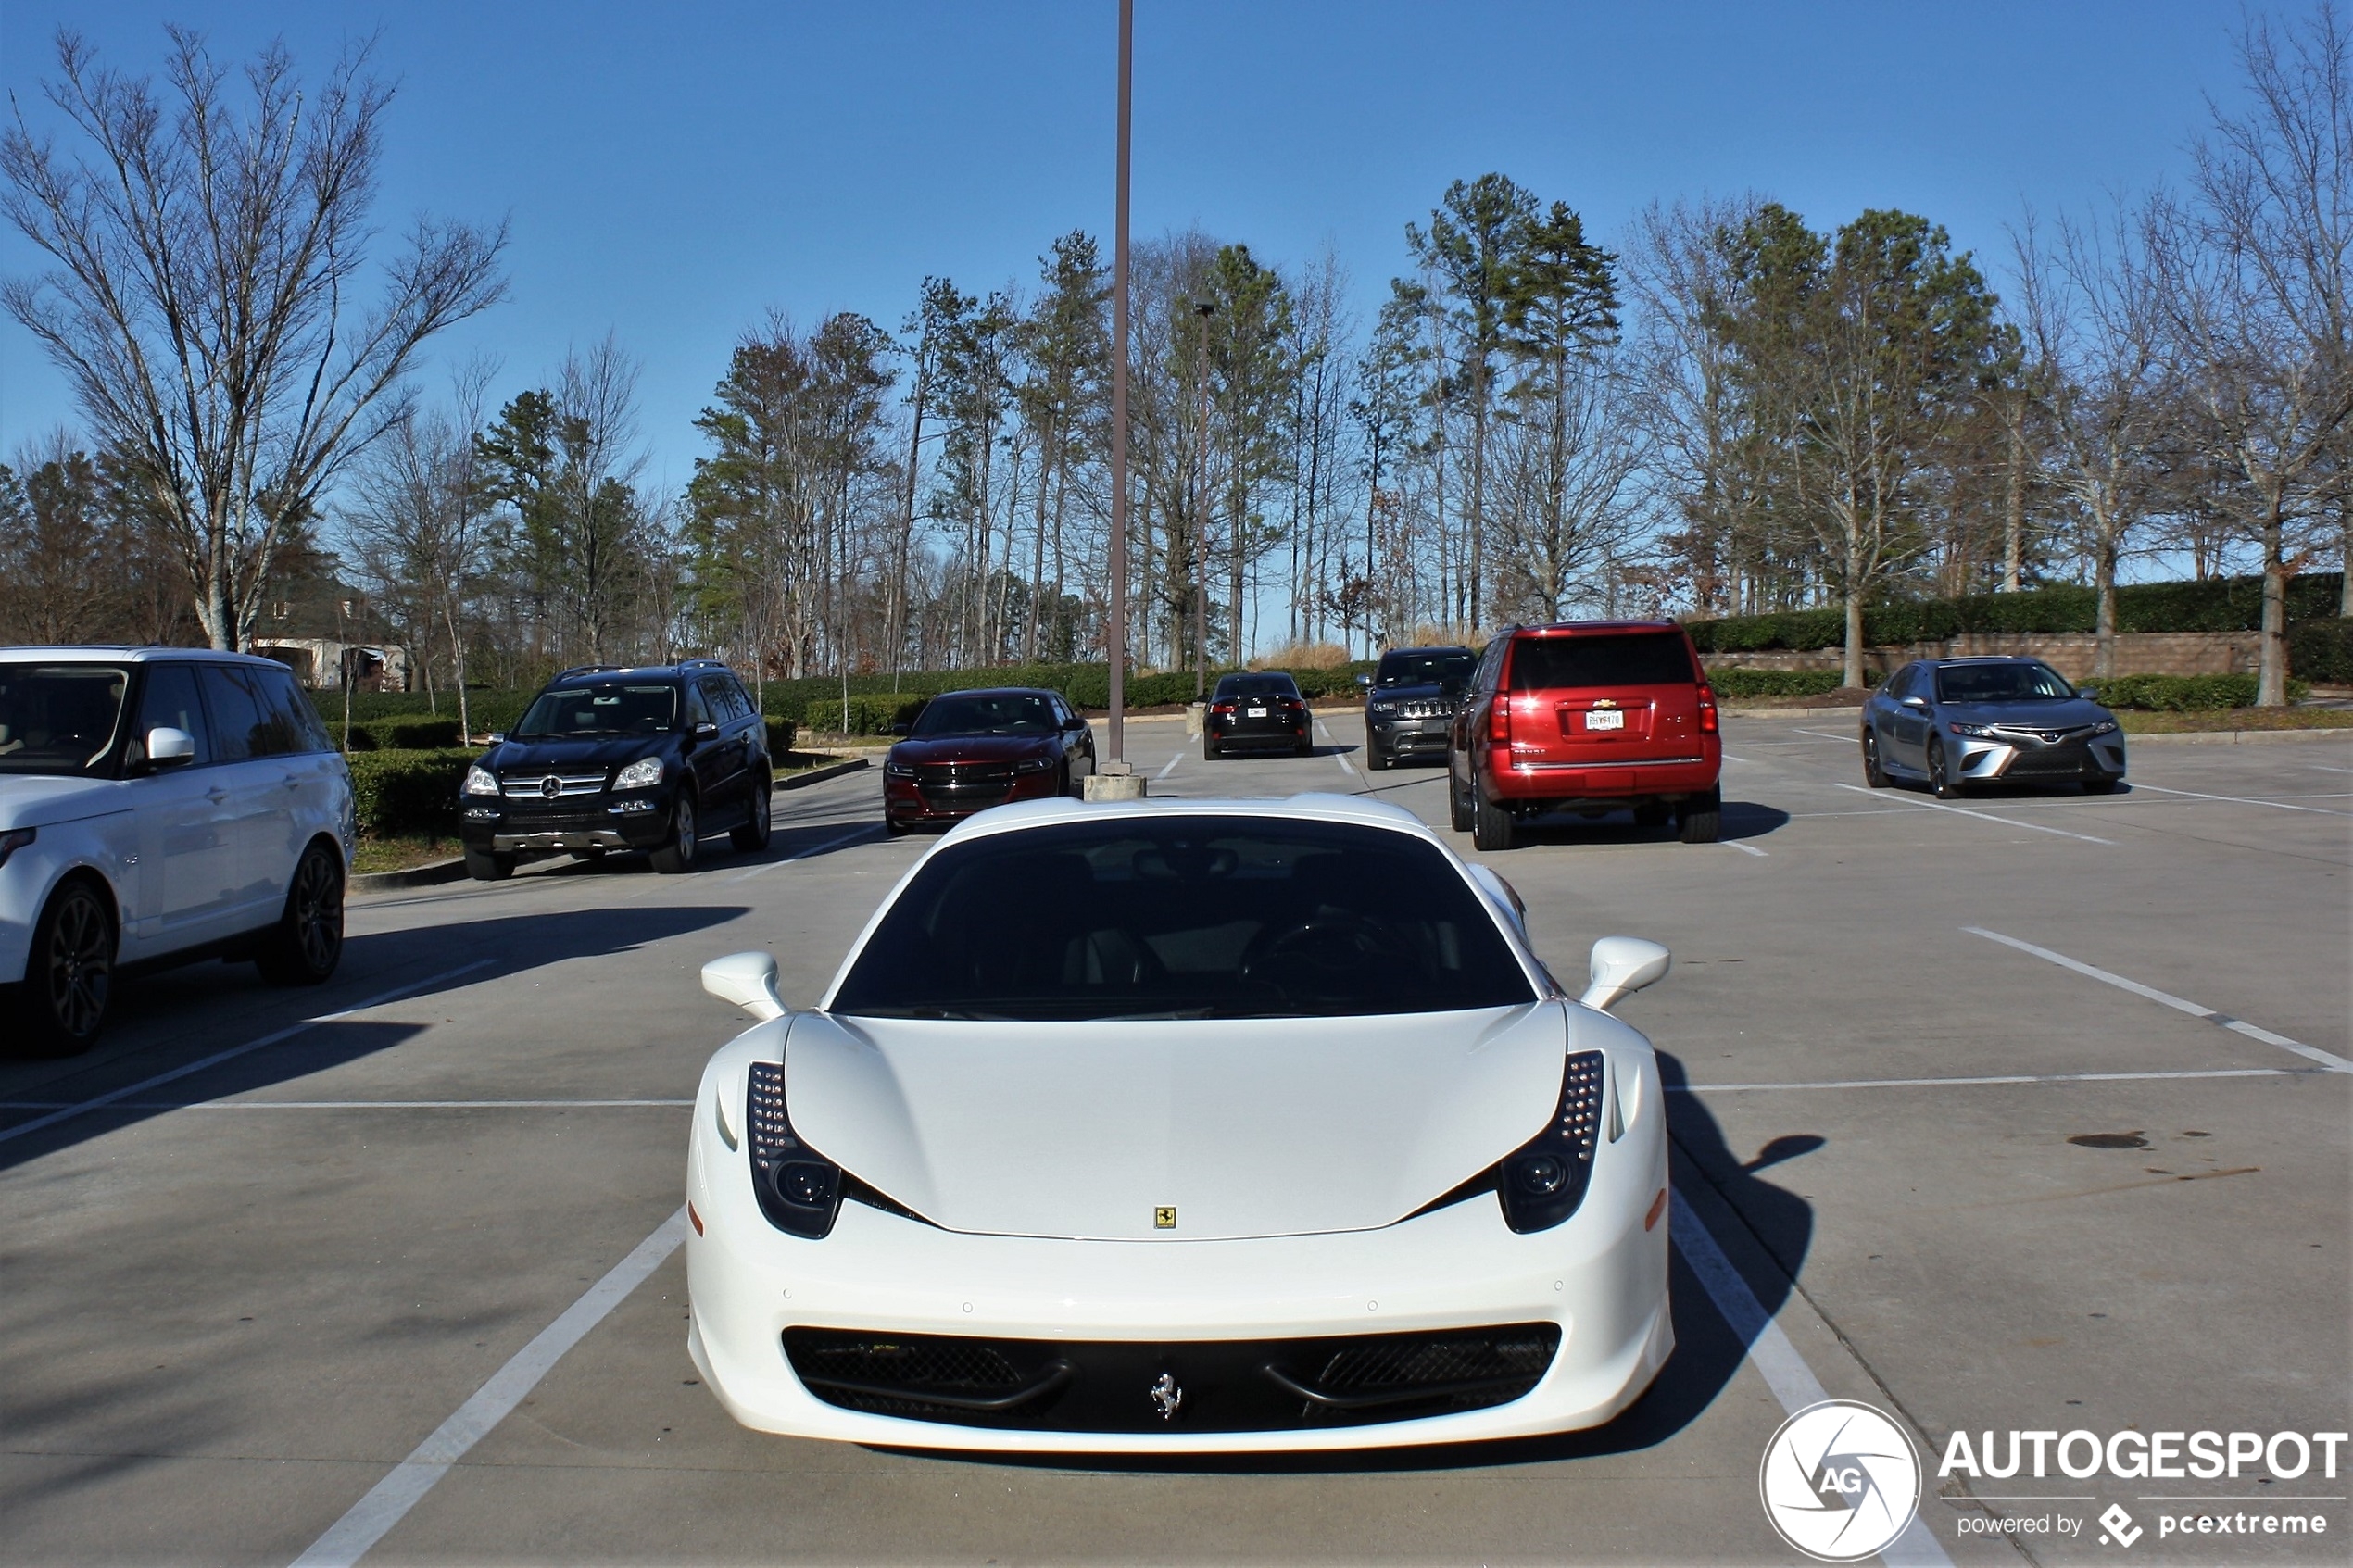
(1115, 633)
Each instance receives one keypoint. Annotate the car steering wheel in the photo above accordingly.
(1329, 944)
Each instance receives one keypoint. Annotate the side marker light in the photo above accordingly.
(1658, 1207)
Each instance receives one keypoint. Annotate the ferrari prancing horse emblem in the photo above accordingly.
(1165, 1219)
(1167, 1397)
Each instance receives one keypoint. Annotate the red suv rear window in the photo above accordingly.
(1630, 658)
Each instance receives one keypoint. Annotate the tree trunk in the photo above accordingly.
(1854, 675)
(2271, 681)
(2104, 589)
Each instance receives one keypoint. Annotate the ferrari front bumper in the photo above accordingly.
(1601, 1277)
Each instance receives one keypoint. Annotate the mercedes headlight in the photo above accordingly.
(1976, 731)
(479, 781)
(641, 774)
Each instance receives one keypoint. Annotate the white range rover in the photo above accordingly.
(159, 806)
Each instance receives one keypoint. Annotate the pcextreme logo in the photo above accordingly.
(1840, 1481)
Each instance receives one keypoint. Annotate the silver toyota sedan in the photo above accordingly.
(1953, 722)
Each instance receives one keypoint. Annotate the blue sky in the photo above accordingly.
(673, 173)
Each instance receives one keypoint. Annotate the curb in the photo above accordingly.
(1788, 712)
(819, 775)
(2231, 737)
(415, 876)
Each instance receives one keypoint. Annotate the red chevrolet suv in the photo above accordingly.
(1589, 717)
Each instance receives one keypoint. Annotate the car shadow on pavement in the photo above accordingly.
(1707, 1352)
(795, 841)
(162, 1025)
(1741, 819)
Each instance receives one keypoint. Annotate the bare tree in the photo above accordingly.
(2255, 275)
(196, 304)
(2095, 336)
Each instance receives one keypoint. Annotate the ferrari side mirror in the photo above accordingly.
(1622, 965)
(748, 980)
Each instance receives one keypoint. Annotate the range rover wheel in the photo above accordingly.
(485, 865)
(685, 835)
(69, 973)
(1492, 826)
(752, 836)
(1873, 773)
(1702, 818)
(304, 946)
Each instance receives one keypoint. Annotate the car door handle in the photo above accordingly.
(216, 795)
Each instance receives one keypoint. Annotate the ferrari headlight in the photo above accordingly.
(1033, 764)
(1544, 1183)
(642, 774)
(479, 781)
(1977, 731)
(799, 1189)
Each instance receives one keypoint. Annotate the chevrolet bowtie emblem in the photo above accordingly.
(1165, 1219)
(1604, 702)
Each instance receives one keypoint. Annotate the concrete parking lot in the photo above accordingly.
(2023, 1112)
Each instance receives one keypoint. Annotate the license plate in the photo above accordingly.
(1602, 718)
(1258, 713)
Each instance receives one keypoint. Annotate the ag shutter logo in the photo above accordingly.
(1840, 1481)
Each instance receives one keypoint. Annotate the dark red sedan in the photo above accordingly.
(967, 751)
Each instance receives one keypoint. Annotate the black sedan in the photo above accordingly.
(1262, 712)
(1953, 722)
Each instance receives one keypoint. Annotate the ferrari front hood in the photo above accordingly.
(1173, 1130)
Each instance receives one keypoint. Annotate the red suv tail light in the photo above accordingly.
(1706, 710)
(1499, 721)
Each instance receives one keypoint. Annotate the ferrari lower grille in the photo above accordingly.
(1185, 1386)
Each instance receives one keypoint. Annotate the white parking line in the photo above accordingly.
(834, 843)
(1982, 816)
(1336, 756)
(2244, 799)
(1743, 849)
(1843, 740)
(1769, 1351)
(2333, 1063)
(1990, 1078)
(66, 1113)
(1172, 766)
(355, 1104)
(390, 1500)
(1730, 757)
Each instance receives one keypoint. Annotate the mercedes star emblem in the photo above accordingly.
(551, 786)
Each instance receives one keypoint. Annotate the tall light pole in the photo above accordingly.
(1202, 311)
(1115, 634)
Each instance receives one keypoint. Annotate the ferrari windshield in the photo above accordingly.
(1184, 917)
(985, 713)
(608, 707)
(60, 717)
(2022, 682)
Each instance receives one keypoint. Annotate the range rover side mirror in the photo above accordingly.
(167, 747)
(748, 980)
(1620, 966)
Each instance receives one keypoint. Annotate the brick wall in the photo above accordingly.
(2071, 653)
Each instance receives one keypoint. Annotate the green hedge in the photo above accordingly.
(780, 737)
(1731, 681)
(2233, 604)
(408, 792)
(398, 735)
(2184, 694)
(867, 715)
(2323, 650)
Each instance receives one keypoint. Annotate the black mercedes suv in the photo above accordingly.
(608, 757)
(1409, 700)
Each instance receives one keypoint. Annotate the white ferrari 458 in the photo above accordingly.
(1177, 1126)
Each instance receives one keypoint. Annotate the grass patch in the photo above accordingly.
(400, 852)
(2137, 723)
